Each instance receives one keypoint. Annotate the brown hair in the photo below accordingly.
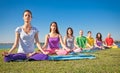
(28, 11)
(70, 29)
(99, 38)
(57, 31)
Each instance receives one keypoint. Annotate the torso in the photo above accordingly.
(70, 42)
(53, 41)
(26, 42)
(81, 41)
(109, 41)
(99, 43)
(90, 41)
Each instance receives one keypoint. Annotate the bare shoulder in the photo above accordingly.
(47, 35)
(65, 37)
(59, 35)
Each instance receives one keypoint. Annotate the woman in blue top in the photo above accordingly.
(25, 37)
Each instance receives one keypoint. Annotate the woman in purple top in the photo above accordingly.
(53, 40)
(98, 41)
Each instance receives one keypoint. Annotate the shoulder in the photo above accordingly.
(84, 37)
(65, 37)
(92, 38)
(77, 37)
(47, 35)
(59, 35)
(106, 38)
(35, 29)
(18, 29)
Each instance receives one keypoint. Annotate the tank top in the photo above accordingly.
(99, 43)
(53, 42)
(70, 42)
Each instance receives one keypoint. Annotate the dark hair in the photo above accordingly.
(89, 32)
(99, 38)
(28, 11)
(57, 31)
(70, 29)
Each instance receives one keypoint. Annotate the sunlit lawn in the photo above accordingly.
(107, 61)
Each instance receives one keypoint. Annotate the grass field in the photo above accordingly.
(107, 61)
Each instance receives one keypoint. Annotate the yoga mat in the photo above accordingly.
(72, 57)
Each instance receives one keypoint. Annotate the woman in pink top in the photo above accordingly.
(98, 41)
(53, 41)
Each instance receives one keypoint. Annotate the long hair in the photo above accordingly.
(99, 38)
(70, 29)
(57, 31)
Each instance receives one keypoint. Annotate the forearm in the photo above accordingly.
(44, 46)
(76, 46)
(12, 49)
(39, 47)
(64, 46)
(114, 44)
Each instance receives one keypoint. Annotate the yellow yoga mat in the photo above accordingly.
(114, 46)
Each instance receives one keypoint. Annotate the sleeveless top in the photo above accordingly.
(70, 42)
(53, 42)
(99, 43)
(26, 41)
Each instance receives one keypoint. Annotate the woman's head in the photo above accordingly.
(54, 27)
(99, 36)
(27, 15)
(69, 31)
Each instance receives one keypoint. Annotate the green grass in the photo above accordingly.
(107, 61)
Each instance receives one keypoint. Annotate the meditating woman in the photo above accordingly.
(53, 41)
(24, 36)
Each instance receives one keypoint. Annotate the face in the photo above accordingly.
(81, 32)
(98, 35)
(69, 31)
(53, 27)
(27, 17)
(109, 35)
(89, 34)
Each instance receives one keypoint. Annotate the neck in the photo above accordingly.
(52, 32)
(89, 36)
(27, 24)
(69, 35)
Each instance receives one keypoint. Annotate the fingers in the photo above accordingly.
(4, 53)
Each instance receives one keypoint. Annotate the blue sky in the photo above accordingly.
(94, 15)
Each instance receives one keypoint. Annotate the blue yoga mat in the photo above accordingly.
(72, 57)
